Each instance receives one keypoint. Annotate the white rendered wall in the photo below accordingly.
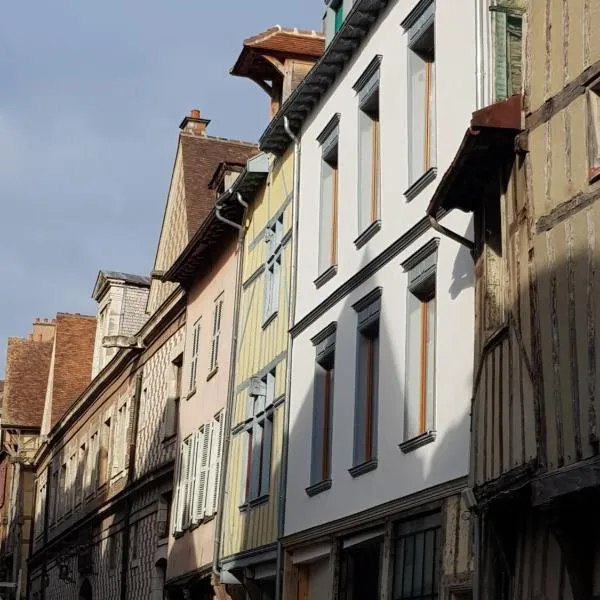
(445, 459)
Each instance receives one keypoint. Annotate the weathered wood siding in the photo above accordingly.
(259, 349)
(564, 224)
(503, 426)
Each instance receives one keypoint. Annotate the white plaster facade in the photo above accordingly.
(397, 474)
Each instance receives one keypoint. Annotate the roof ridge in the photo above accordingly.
(220, 139)
(275, 29)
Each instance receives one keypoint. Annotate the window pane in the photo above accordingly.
(431, 116)
(416, 115)
(326, 216)
(318, 424)
(365, 170)
(430, 383)
(413, 367)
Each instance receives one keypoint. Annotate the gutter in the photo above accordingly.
(288, 375)
(230, 391)
(130, 477)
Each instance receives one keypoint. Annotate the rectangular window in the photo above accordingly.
(194, 360)
(83, 451)
(214, 475)
(112, 552)
(171, 415)
(323, 405)
(367, 379)
(119, 441)
(103, 454)
(420, 347)
(360, 570)
(214, 347)
(62, 502)
(421, 95)
(183, 495)
(200, 468)
(328, 218)
(55, 493)
(369, 187)
(92, 461)
(274, 235)
(134, 541)
(508, 41)
(259, 435)
(417, 558)
(593, 131)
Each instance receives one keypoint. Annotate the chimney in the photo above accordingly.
(43, 330)
(194, 124)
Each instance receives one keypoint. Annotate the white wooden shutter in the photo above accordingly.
(178, 491)
(215, 465)
(200, 485)
(191, 480)
(203, 477)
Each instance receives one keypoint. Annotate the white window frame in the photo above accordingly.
(273, 266)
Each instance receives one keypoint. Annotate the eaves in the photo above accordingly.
(322, 76)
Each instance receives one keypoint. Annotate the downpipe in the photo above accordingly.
(288, 374)
(231, 385)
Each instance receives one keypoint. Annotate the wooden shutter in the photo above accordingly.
(215, 466)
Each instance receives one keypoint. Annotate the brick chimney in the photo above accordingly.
(43, 330)
(194, 124)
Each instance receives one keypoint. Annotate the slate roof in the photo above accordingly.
(201, 156)
(27, 367)
(104, 276)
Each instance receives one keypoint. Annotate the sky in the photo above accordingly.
(91, 96)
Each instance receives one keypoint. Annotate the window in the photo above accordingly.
(134, 540)
(199, 475)
(171, 416)
(324, 344)
(421, 94)
(417, 559)
(54, 491)
(328, 219)
(259, 437)
(112, 552)
(71, 474)
(119, 441)
(508, 38)
(593, 133)
(194, 361)
(369, 188)
(214, 347)
(83, 450)
(91, 464)
(367, 379)
(274, 238)
(62, 503)
(360, 570)
(103, 453)
(420, 342)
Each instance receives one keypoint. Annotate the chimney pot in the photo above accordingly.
(195, 113)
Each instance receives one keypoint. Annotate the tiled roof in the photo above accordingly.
(289, 40)
(27, 367)
(201, 155)
(73, 354)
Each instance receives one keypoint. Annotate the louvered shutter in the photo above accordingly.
(205, 498)
(185, 480)
(198, 497)
(179, 499)
(218, 451)
(191, 480)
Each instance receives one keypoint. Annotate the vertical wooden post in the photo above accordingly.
(334, 564)
(387, 563)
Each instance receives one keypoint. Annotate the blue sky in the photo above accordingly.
(91, 97)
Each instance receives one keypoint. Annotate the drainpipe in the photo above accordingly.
(220, 217)
(288, 374)
(130, 476)
(231, 383)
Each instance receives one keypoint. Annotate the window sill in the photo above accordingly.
(367, 234)
(324, 277)
(318, 488)
(212, 373)
(420, 184)
(418, 441)
(363, 468)
(269, 319)
(254, 503)
(190, 394)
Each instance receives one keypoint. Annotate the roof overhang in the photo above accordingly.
(487, 143)
(197, 257)
(322, 76)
